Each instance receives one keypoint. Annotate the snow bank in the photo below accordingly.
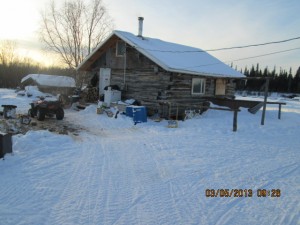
(93, 121)
(33, 91)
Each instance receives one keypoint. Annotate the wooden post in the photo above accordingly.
(235, 113)
(265, 102)
(279, 111)
(170, 111)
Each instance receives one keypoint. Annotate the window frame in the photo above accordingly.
(117, 48)
(202, 85)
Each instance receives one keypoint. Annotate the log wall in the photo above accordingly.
(154, 89)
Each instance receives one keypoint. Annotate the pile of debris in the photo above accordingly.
(12, 123)
(17, 126)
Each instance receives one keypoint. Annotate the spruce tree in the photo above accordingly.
(296, 82)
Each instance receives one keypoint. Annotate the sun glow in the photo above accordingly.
(39, 57)
(18, 20)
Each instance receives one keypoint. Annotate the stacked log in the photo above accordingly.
(90, 94)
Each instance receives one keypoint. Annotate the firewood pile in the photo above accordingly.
(90, 94)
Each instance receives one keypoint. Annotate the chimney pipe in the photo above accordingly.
(140, 26)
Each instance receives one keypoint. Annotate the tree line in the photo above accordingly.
(282, 81)
(11, 74)
(14, 67)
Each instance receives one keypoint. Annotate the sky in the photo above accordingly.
(198, 23)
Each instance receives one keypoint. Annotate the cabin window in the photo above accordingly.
(198, 86)
(120, 48)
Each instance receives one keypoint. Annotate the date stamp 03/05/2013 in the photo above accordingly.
(240, 193)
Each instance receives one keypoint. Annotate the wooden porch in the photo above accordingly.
(252, 106)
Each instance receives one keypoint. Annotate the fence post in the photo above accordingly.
(235, 113)
(265, 101)
(279, 111)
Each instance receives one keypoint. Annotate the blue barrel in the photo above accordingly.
(129, 111)
(139, 114)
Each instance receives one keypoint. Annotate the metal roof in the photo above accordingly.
(171, 56)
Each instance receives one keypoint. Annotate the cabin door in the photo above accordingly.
(220, 87)
(104, 79)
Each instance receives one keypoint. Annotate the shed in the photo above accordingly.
(53, 84)
(153, 71)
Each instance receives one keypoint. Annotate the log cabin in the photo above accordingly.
(154, 71)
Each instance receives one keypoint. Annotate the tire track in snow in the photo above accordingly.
(74, 203)
(130, 184)
(117, 194)
(35, 166)
(101, 194)
(124, 190)
(184, 201)
(280, 173)
(157, 199)
(112, 188)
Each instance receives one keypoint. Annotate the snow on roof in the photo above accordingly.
(175, 57)
(50, 80)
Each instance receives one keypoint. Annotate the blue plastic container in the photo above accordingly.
(139, 114)
(129, 111)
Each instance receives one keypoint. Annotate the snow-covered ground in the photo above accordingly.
(118, 173)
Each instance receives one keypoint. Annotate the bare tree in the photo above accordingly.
(75, 28)
(7, 52)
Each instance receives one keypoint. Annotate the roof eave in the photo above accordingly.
(145, 53)
(204, 74)
(93, 52)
